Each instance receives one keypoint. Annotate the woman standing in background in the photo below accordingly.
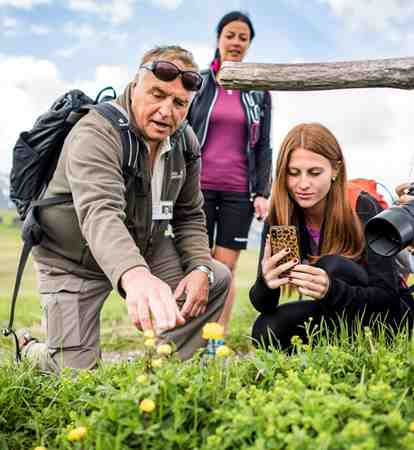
(233, 129)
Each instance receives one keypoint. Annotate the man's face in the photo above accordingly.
(159, 107)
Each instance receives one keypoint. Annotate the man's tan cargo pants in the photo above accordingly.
(72, 307)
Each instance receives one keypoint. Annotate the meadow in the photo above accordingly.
(334, 394)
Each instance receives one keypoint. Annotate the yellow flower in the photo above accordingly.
(147, 405)
(164, 349)
(149, 342)
(296, 340)
(223, 351)
(40, 448)
(77, 434)
(213, 330)
(142, 379)
(156, 363)
(149, 334)
(411, 427)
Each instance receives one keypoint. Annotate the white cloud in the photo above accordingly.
(9, 26)
(88, 36)
(40, 30)
(385, 16)
(12, 27)
(203, 54)
(23, 4)
(82, 31)
(9, 23)
(28, 97)
(116, 12)
(68, 52)
(25, 96)
(105, 75)
(168, 4)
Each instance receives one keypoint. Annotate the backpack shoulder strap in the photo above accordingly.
(187, 136)
(119, 119)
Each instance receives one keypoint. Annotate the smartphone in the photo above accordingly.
(285, 236)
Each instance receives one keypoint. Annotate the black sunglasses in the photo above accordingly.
(167, 71)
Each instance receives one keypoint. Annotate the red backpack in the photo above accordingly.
(358, 185)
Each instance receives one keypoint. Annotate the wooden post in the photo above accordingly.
(392, 73)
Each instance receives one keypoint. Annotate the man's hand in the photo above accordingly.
(261, 207)
(195, 286)
(151, 305)
(402, 191)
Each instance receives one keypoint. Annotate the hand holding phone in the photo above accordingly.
(285, 237)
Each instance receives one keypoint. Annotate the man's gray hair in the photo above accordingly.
(170, 53)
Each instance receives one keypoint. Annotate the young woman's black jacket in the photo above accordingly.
(382, 294)
(257, 107)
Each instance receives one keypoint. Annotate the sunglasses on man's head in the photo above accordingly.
(167, 71)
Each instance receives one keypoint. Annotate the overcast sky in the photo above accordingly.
(49, 46)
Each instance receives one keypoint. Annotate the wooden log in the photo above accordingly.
(392, 73)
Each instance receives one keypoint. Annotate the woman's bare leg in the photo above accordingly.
(229, 257)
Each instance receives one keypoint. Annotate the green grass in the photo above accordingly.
(337, 394)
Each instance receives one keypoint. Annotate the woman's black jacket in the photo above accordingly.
(382, 294)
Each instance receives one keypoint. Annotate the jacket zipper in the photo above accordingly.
(209, 113)
(159, 223)
(148, 223)
(248, 152)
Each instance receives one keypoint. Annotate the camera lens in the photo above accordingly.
(391, 230)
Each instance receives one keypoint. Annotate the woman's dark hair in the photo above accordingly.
(233, 17)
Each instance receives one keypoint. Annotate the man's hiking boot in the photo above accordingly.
(24, 338)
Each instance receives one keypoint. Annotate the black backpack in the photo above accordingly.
(35, 157)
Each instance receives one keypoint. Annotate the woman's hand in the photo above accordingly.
(273, 274)
(311, 281)
(261, 207)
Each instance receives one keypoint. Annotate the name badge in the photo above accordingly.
(162, 210)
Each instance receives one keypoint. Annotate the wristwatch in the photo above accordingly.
(209, 273)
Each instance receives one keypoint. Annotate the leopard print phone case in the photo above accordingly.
(285, 236)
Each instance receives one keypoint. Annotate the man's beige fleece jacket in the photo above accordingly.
(107, 229)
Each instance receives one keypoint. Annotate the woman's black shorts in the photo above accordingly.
(229, 215)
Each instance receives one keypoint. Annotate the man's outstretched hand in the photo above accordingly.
(402, 191)
(150, 302)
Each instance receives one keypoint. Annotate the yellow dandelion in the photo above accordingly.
(213, 330)
(40, 448)
(142, 379)
(164, 349)
(147, 405)
(149, 334)
(150, 343)
(296, 340)
(223, 351)
(411, 427)
(77, 434)
(156, 363)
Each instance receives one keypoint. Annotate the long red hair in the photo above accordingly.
(342, 230)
